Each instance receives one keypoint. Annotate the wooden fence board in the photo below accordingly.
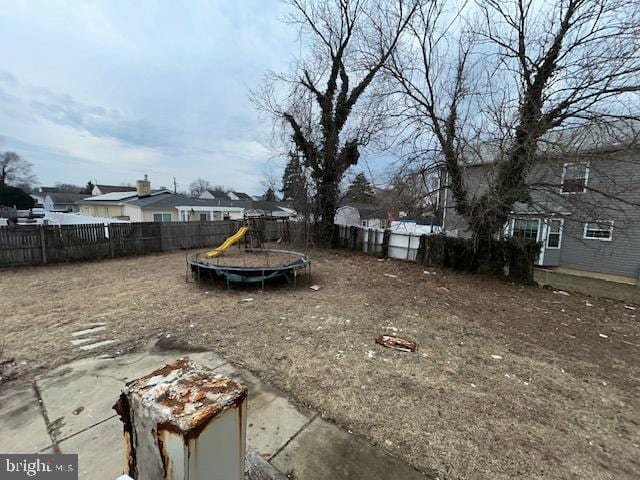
(35, 245)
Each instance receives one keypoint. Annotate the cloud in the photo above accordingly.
(114, 89)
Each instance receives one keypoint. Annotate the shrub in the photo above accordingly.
(15, 197)
(511, 257)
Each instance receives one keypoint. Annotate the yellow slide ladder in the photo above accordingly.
(227, 243)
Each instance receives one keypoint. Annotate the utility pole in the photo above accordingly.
(175, 187)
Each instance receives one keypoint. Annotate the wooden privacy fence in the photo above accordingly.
(38, 245)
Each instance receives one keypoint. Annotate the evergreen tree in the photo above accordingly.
(88, 188)
(270, 195)
(293, 179)
(15, 197)
(361, 190)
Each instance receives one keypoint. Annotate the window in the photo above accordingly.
(383, 224)
(526, 229)
(204, 217)
(554, 233)
(574, 178)
(601, 230)
(161, 217)
(364, 223)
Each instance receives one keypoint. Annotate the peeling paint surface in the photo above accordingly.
(184, 397)
(181, 421)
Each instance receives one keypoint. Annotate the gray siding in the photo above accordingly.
(620, 256)
(613, 177)
(552, 256)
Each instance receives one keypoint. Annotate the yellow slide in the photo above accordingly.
(228, 242)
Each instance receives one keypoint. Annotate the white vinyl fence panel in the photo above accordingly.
(402, 245)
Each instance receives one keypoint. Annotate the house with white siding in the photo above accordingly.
(147, 205)
(361, 215)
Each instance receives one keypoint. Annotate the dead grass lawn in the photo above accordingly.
(508, 381)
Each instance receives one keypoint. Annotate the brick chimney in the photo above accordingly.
(143, 187)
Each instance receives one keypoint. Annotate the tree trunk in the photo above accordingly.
(327, 203)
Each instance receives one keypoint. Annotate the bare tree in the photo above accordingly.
(199, 186)
(70, 188)
(413, 191)
(15, 170)
(270, 182)
(326, 109)
(493, 90)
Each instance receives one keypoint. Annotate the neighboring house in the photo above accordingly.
(584, 204)
(361, 215)
(63, 202)
(39, 197)
(118, 204)
(263, 198)
(146, 205)
(55, 201)
(49, 190)
(40, 194)
(187, 209)
(216, 195)
(238, 196)
(104, 189)
(220, 195)
(271, 209)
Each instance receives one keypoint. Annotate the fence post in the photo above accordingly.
(385, 243)
(43, 245)
(161, 239)
(422, 250)
(112, 247)
(184, 422)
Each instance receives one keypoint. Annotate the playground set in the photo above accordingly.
(250, 264)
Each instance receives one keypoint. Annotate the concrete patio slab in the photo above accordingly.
(82, 394)
(322, 451)
(100, 449)
(22, 426)
(272, 419)
(78, 398)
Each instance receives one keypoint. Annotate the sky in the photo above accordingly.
(111, 90)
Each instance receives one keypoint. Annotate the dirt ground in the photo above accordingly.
(507, 382)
